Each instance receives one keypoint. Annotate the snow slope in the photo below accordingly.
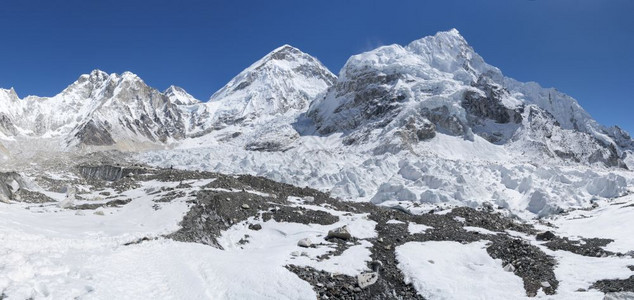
(283, 82)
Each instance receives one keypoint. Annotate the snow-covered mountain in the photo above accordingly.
(98, 109)
(179, 96)
(121, 111)
(284, 82)
(256, 109)
(439, 84)
(426, 122)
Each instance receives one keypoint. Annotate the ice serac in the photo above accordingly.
(283, 82)
(439, 84)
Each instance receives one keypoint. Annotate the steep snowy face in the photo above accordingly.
(449, 52)
(9, 103)
(123, 109)
(438, 84)
(377, 87)
(42, 116)
(196, 115)
(98, 109)
(284, 82)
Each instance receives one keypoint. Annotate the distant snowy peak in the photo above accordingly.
(8, 95)
(126, 110)
(98, 109)
(179, 96)
(403, 95)
(96, 85)
(284, 81)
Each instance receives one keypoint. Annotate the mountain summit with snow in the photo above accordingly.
(283, 82)
(98, 109)
(439, 84)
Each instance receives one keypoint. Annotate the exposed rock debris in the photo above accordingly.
(615, 285)
(300, 215)
(585, 247)
(529, 262)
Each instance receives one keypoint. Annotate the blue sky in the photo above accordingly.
(581, 47)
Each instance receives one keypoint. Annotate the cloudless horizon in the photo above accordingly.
(581, 47)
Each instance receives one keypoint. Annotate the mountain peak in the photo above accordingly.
(448, 51)
(286, 48)
(285, 52)
(286, 79)
(10, 93)
(441, 41)
(97, 72)
(453, 32)
(129, 74)
(172, 89)
(179, 96)
(96, 77)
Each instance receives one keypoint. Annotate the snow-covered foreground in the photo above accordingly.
(51, 253)
(123, 251)
(451, 270)
(48, 252)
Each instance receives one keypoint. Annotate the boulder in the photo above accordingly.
(255, 227)
(340, 233)
(545, 236)
(306, 243)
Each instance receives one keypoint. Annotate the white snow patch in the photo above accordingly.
(451, 270)
(394, 222)
(414, 228)
(479, 230)
(608, 221)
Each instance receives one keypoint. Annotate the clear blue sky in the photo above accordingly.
(581, 47)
